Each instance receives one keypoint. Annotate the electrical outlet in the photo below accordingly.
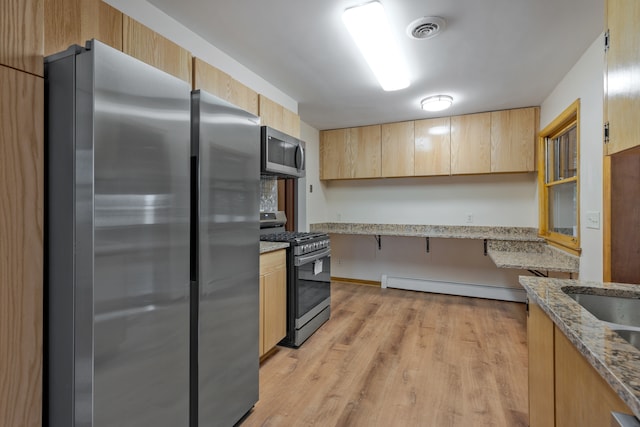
(310, 188)
(593, 220)
(469, 218)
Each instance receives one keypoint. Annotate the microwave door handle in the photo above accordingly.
(300, 156)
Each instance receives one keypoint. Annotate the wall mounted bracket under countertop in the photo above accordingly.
(379, 240)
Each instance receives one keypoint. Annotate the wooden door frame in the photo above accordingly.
(287, 190)
(606, 223)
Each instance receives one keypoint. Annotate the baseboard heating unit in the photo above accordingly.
(501, 293)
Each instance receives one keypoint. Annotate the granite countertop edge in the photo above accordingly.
(523, 260)
(508, 247)
(436, 231)
(266, 247)
(617, 361)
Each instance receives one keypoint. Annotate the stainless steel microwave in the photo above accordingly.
(281, 154)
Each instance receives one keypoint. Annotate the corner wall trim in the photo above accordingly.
(453, 288)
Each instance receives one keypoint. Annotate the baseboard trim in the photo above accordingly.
(356, 281)
(453, 288)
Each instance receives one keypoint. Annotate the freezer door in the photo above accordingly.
(141, 151)
(226, 141)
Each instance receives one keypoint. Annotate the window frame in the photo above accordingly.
(569, 117)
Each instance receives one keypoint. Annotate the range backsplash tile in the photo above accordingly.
(268, 194)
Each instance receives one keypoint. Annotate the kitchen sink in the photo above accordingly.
(612, 309)
(632, 336)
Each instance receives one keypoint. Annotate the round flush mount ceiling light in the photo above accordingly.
(436, 103)
(425, 27)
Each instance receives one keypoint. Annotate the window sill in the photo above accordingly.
(564, 243)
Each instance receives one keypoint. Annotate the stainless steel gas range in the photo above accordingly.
(308, 281)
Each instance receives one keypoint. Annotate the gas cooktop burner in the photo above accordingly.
(292, 236)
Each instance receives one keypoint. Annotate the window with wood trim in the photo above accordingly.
(558, 180)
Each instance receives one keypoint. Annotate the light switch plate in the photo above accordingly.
(593, 220)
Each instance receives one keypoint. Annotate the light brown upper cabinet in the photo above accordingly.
(513, 136)
(276, 116)
(471, 144)
(148, 46)
(68, 22)
(398, 145)
(21, 40)
(622, 75)
(433, 146)
(350, 153)
(271, 113)
(290, 122)
(493, 142)
(21, 247)
(221, 84)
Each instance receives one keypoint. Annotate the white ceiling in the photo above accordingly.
(493, 54)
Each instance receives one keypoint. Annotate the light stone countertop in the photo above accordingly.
(272, 246)
(436, 231)
(617, 361)
(531, 256)
(508, 247)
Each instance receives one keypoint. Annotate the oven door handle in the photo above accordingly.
(301, 260)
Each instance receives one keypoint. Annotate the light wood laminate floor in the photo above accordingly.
(400, 358)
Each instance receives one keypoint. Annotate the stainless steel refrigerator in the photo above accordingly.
(130, 334)
(225, 149)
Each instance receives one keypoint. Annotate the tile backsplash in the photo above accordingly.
(268, 194)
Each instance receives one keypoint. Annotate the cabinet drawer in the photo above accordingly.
(272, 261)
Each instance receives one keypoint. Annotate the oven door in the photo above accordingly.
(313, 285)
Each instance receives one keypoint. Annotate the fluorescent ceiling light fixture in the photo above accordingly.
(370, 30)
(436, 103)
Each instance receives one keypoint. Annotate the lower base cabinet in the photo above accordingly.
(564, 389)
(273, 299)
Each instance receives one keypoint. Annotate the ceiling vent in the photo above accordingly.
(426, 27)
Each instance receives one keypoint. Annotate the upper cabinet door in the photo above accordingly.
(471, 144)
(398, 145)
(221, 84)
(622, 75)
(290, 122)
(350, 153)
(365, 149)
(148, 46)
(276, 116)
(271, 113)
(333, 154)
(513, 140)
(21, 35)
(69, 22)
(433, 146)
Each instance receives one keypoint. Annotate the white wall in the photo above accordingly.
(154, 18)
(316, 202)
(501, 200)
(585, 81)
